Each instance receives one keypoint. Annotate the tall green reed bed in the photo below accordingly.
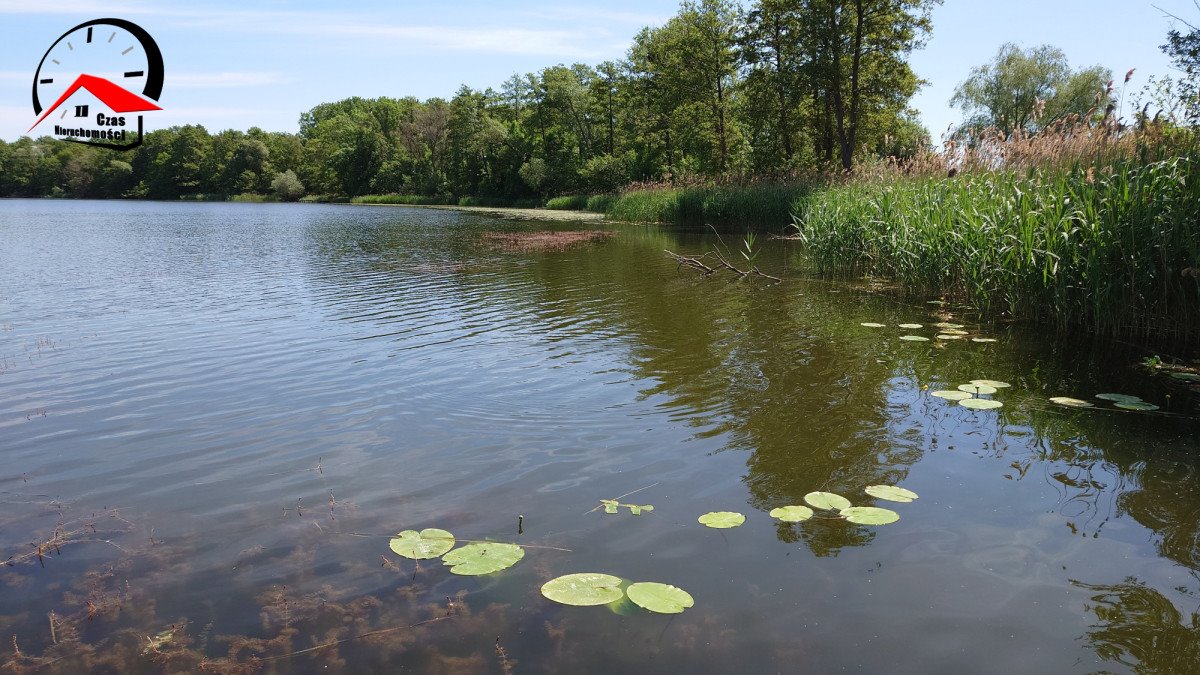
(722, 206)
(1113, 247)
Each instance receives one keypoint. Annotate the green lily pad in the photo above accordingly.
(983, 339)
(827, 500)
(891, 493)
(483, 558)
(1119, 398)
(948, 325)
(980, 404)
(428, 543)
(722, 520)
(951, 395)
(945, 336)
(792, 514)
(1071, 402)
(910, 326)
(637, 509)
(869, 515)
(661, 598)
(583, 590)
(995, 384)
(914, 338)
(954, 331)
(872, 325)
(1137, 405)
(1186, 377)
(977, 388)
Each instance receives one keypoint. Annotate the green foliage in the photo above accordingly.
(869, 515)
(792, 514)
(601, 203)
(891, 493)
(287, 186)
(1105, 247)
(483, 558)
(1023, 90)
(584, 589)
(568, 203)
(827, 501)
(428, 543)
(728, 207)
(659, 598)
(413, 200)
(722, 519)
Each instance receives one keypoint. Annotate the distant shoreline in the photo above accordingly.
(509, 213)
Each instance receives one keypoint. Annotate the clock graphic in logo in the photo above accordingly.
(91, 80)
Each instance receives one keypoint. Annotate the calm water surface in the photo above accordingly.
(213, 403)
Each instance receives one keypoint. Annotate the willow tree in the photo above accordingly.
(1026, 89)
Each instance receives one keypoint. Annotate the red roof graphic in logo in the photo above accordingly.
(118, 99)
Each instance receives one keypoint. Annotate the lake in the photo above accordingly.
(214, 417)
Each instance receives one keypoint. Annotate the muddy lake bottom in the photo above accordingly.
(214, 417)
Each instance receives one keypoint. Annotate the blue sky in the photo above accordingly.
(236, 65)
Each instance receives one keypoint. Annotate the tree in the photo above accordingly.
(1027, 89)
(858, 65)
(1184, 50)
(287, 187)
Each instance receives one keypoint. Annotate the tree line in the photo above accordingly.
(774, 89)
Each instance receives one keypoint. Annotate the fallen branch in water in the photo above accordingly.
(695, 262)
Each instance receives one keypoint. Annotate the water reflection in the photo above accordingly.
(387, 360)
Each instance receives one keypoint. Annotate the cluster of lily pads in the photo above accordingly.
(487, 557)
(593, 588)
(826, 501)
(967, 394)
(1123, 401)
(946, 331)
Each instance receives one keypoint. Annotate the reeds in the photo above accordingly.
(1071, 229)
(766, 205)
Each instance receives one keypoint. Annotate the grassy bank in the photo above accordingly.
(761, 206)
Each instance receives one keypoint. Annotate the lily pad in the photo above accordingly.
(1186, 377)
(637, 509)
(872, 325)
(1071, 402)
(977, 388)
(428, 543)
(983, 340)
(1119, 398)
(661, 598)
(827, 500)
(910, 326)
(583, 590)
(951, 395)
(870, 515)
(914, 338)
(946, 336)
(997, 384)
(949, 326)
(792, 514)
(1137, 405)
(722, 520)
(483, 558)
(980, 404)
(954, 331)
(891, 493)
